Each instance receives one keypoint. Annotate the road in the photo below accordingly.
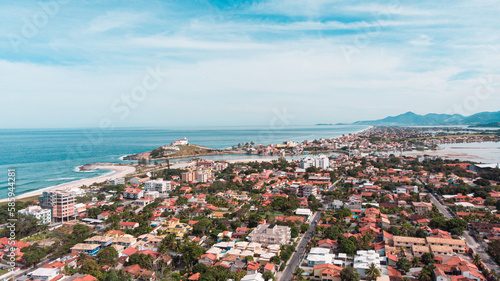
(301, 248)
(471, 242)
(294, 261)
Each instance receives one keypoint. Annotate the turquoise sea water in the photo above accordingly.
(49, 157)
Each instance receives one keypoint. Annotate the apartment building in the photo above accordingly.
(439, 246)
(408, 242)
(116, 181)
(163, 187)
(321, 162)
(60, 202)
(133, 193)
(457, 245)
(42, 215)
(270, 234)
(422, 207)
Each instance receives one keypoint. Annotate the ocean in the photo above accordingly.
(48, 157)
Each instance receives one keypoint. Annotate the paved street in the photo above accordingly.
(471, 242)
(301, 248)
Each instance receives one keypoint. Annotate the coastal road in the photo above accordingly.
(294, 261)
(471, 242)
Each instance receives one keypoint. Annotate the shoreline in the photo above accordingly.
(116, 171)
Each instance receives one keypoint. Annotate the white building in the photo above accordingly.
(202, 177)
(158, 185)
(44, 274)
(308, 190)
(319, 256)
(151, 195)
(116, 181)
(253, 277)
(364, 259)
(320, 161)
(43, 215)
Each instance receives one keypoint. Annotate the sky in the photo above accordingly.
(68, 63)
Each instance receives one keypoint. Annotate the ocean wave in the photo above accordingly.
(61, 179)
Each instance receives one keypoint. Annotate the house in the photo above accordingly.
(45, 274)
(89, 249)
(270, 267)
(133, 193)
(177, 228)
(328, 244)
(81, 277)
(253, 277)
(327, 272)
(128, 225)
(422, 207)
(207, 259)
(139, 272)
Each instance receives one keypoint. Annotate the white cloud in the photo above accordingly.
(112, 20)
(422, 40)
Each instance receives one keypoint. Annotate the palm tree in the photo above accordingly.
(298, 274)
(425, 276)
(415, 261)
(477, 260)
(372, 272)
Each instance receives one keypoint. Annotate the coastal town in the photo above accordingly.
(355, 207)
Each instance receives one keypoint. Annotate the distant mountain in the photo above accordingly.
(412, 119)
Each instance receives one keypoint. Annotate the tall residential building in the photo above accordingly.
(158, 185)
(60, 202)
(202, 177)
(43, 215)
(188, 176)
(320, 161)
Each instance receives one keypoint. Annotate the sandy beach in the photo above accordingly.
(118, 171)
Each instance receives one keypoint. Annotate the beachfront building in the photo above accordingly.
(320, 161)
(133, 193)
(163, 187)
(270, 234)
(42, 215)
(116, 181)
(61, 203)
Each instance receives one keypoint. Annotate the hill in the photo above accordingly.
(431, 119)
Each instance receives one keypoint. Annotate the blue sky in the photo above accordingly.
(71, 63)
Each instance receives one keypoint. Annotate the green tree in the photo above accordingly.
(81, 231)
(298, 274)
(415, 261)
(349, 274)
(347, 246)
(304, 227)
(294, 231)
(373, 272)
(403, 264)
(427, 258)
(112, 276)
(268, 275)
(191, 252)
(107, 256)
